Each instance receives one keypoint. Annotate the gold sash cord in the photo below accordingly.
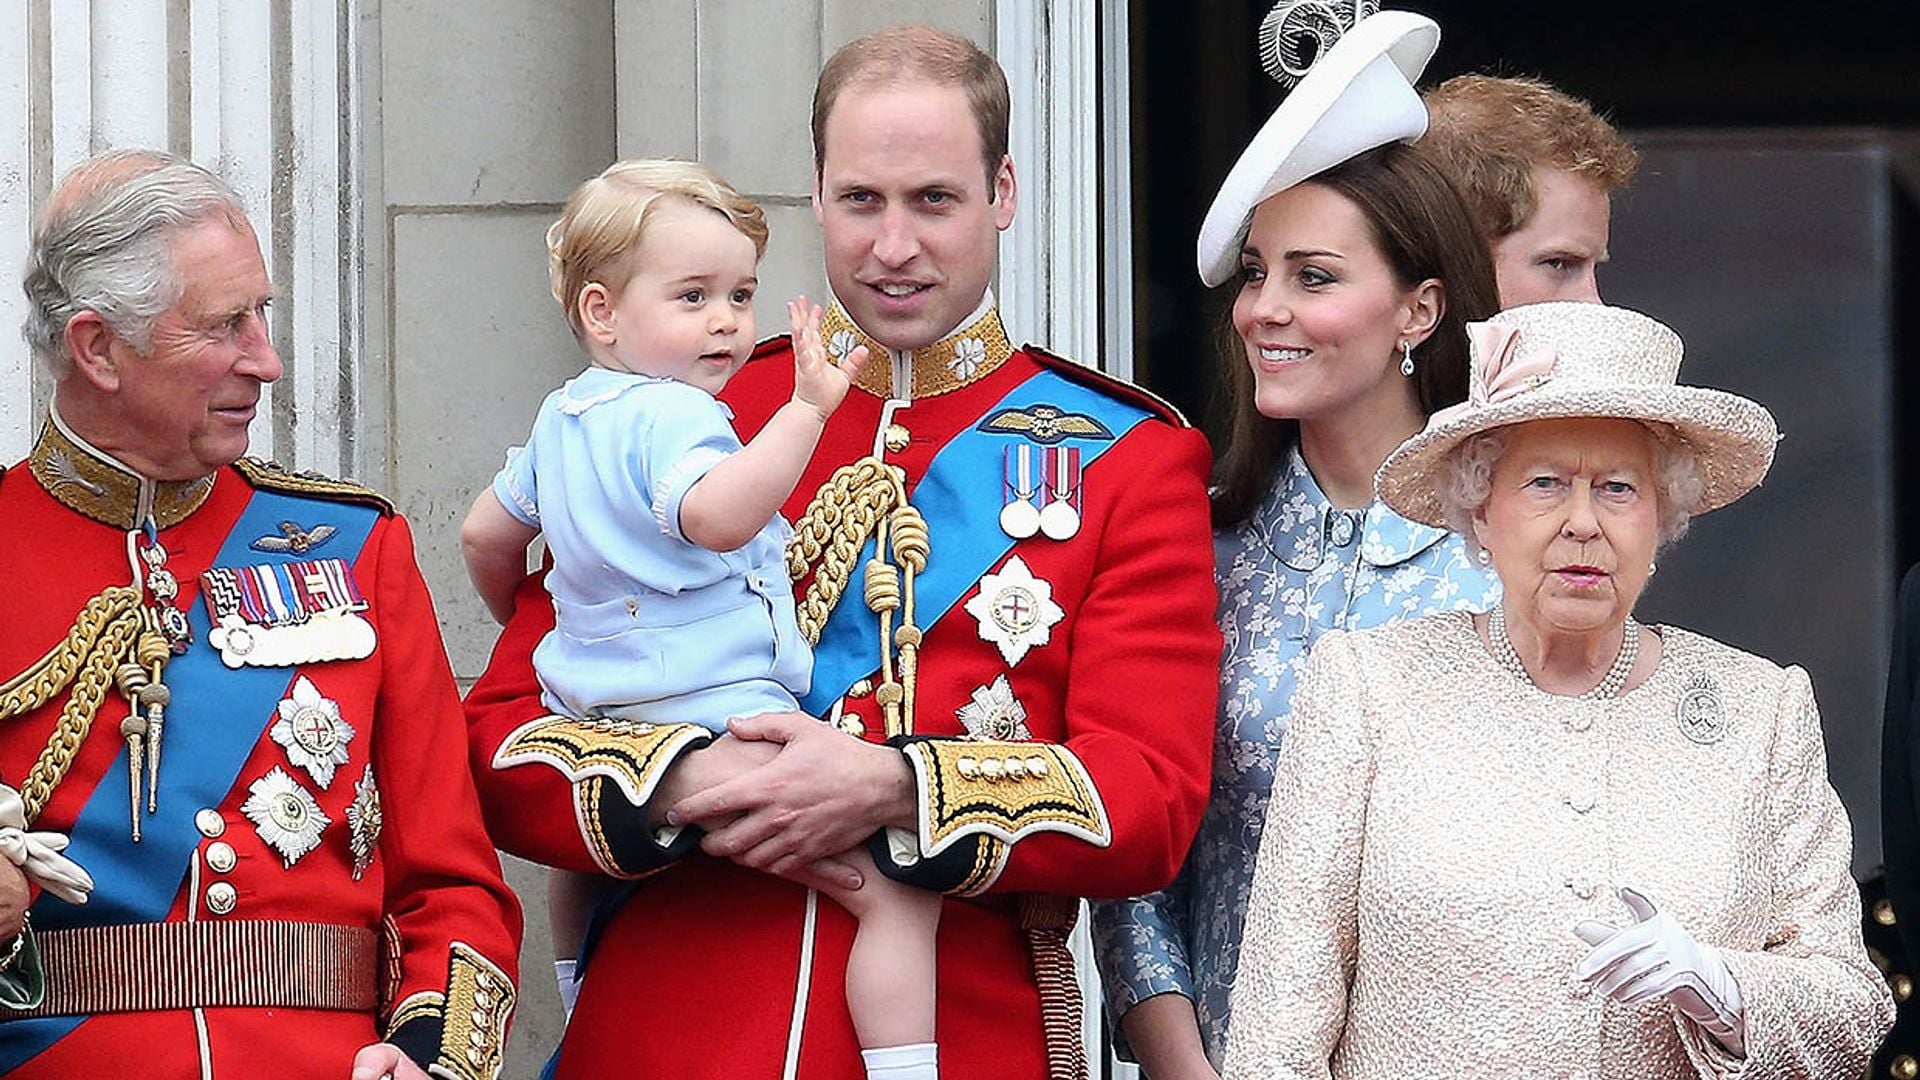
(866, 499)
(147, 967)
(112, 631)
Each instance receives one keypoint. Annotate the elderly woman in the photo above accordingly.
(1550, 840)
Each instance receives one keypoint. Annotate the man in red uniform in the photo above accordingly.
(240, 839)
(1004, 558)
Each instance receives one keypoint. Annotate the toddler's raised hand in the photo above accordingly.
(819, 381)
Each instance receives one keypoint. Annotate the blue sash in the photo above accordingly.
(960, 496)
(214, 721)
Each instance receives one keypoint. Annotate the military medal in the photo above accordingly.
(1015, 610)
(363, 822)
(287, 614)
(285, 815)
(310, 729)
(1060, 518)
(994, 713)
(1019, 518)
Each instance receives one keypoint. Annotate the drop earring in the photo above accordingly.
(1406, 358)
(1484, 556)
(1653, 568)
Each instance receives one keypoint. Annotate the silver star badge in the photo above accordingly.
(994, 713)
(310, 728)
(1015, 610)
(285, 815)
(363, 822)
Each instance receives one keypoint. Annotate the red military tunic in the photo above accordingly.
(698, 974)
(394, 906)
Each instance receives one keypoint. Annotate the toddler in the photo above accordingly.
(669, 584)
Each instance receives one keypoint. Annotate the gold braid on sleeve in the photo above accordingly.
(104, 636)
(867, 499)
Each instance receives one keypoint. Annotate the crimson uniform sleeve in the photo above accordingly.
(451, 927)
(559, 791)
(1123, 794)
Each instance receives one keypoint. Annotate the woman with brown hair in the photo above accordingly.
(1355, 266)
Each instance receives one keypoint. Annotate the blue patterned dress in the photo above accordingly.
(1297, 569)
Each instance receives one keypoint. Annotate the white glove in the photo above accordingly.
(1656, 957)
(37, 854)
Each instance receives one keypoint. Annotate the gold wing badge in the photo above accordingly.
(1045, 424)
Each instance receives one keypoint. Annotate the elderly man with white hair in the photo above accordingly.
(239, 833)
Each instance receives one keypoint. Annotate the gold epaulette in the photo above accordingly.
(274, 476)
(1110, 385)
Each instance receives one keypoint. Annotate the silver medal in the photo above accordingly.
(285, 815)
(309, 727)
(1059, 520)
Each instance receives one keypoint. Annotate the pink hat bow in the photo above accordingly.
(1505, 370)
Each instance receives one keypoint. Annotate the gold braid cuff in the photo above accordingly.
(867, 499)
(472, 1014)
(103, 637)
(633, 754)
(1004, 790)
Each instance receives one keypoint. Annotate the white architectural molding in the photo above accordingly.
(1066, 264)
(16, 210)
(260, 92)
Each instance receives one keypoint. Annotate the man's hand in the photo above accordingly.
(382, 1061)
(825, 792)
(720, 762)
(819, 380)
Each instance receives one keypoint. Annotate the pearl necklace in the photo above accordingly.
(1609, 685)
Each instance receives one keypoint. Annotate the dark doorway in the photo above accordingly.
(1772, 225)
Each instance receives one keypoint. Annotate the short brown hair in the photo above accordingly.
(901, 54)
(1422, 228)
(1489, 133)
(606, 217)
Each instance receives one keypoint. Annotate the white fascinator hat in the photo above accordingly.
(1355, 91)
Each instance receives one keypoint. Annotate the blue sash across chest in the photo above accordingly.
(960, 497)
(214, 720)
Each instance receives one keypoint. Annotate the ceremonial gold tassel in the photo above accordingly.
(153, 652)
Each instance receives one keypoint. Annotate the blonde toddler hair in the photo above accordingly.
(605, 219)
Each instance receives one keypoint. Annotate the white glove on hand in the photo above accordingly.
(1656, 957)
(37, 854)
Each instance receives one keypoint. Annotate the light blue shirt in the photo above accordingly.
(649, 625)
(1297, 569)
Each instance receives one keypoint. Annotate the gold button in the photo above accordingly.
(861, 688)
(1883, 912)
(221, 897)
(993, 768)
(1904, 1067)
(968, 767)
(897, 437)
(1016, 769)
(1879, 959)
(210, 823)
(853, 725)
(1902, 987)
(220, 856)
(1037, 765)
